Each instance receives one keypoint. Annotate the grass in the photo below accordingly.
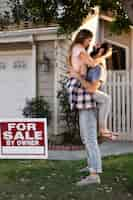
(55, 180)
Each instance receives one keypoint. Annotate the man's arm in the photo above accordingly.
(90, 87)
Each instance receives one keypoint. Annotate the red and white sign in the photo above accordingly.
(23, 138)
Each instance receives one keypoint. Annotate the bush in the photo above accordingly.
(37, 107)
(71, 118)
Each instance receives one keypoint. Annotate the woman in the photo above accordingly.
(80, 97)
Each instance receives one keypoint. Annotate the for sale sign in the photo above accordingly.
(23, 138)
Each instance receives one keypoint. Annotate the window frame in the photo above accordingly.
(126, 51)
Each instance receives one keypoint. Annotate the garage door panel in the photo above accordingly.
(16, 84)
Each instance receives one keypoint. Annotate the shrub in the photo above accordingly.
(37, 107)
(70, 118)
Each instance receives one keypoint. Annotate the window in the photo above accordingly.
(118, 59)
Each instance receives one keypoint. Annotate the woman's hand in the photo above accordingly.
(109, 53)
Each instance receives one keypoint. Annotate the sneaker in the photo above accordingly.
(85, 169)
(89, 180)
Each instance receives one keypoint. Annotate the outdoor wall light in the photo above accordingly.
(44, 65)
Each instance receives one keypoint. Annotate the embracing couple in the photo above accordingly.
(86, 77)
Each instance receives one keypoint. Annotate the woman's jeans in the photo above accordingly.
(88, 133)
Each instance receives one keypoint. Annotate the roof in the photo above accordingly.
(30, 35)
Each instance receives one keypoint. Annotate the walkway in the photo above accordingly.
(111, 148)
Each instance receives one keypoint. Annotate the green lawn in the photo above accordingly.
(55, 180)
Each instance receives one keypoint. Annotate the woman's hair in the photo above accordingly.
(79, 39)
(103, 46)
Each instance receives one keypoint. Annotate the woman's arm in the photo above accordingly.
(87, 59)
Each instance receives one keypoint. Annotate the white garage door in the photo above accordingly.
(16, 82)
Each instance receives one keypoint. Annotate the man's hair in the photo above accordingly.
(104, 46)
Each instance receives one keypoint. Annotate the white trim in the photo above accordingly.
(26, 35)
(132, 49)
(14, 39)
(123, 46)
(33, 76)
(106, 18)
(132, 83)
(15, 52)
(23, 119)
(55, 88)
(27, 32)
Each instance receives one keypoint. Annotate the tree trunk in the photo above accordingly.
(128, 5)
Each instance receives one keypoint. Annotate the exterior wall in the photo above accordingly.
(62, 51)
(123, 40)
(45, 80)
(48, 82)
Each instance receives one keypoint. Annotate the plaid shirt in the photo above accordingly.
(78, 97)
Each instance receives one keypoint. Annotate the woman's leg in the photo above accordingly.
(88, 132)
(104, 103)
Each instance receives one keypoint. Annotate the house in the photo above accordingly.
(24, 73)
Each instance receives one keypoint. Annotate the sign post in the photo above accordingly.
(23, 138)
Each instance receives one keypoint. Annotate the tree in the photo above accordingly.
(70, 14)
(128, 5)
(41, 11)
(19, 12)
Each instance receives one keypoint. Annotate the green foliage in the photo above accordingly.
(121, 22)
(68, 14)
(41, 11)
(119, 25)
(4, 20)
(19, 11)
(72, 17)
(70, 118)
(108, 4)
(37, 108)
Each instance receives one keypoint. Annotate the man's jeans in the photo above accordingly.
(88, 133)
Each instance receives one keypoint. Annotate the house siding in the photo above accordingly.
(46, 79)
(63, 46)
(123, 39)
